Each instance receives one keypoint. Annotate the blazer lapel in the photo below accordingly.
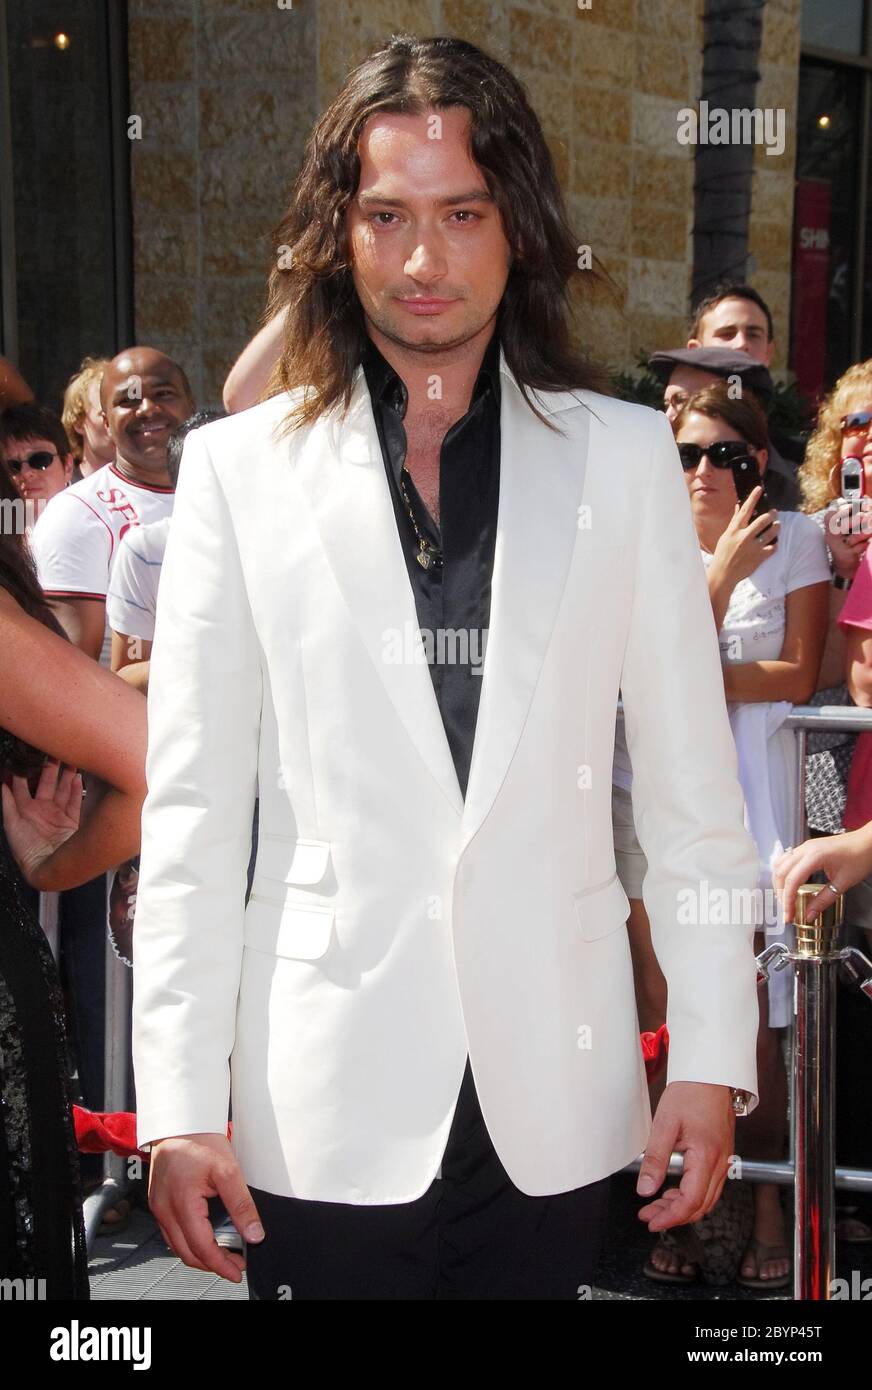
(541, 483)
(342, 476)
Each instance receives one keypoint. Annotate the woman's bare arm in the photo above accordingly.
(248, 377)
(136, 674)
(858, 665)
(847, 547)
(63, 703)
(129, 651)
(14, 390)
(832, 670)
(720, 592)
(794, 675)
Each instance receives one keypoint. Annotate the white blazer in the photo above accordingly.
(394, 929)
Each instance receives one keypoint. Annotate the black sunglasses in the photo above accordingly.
(41, 459)
(722, 454)
(856, 423)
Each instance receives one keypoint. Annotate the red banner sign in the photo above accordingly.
(811, 284)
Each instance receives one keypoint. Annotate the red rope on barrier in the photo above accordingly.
(115, 1131)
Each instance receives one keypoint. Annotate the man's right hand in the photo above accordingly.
(185, 1171)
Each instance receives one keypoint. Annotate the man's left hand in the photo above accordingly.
(696, 1119)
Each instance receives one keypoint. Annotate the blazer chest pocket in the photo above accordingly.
(278, 923)
(602, 909)
(302, 862)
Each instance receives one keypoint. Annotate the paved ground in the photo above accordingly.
(136, 1265)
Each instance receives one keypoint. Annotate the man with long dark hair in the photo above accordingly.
(399, 599)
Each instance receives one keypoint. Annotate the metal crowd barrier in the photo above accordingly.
(810, 1166)
(116, 1174)
(119, 992)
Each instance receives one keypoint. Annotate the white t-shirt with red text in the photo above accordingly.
(75, 541)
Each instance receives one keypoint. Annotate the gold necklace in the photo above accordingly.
(428, 555)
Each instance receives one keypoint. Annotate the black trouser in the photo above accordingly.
(471, 1235)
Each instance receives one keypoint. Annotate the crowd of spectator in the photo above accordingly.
(789, 578)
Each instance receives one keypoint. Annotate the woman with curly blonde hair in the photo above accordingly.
(819, 478)
(835, 763)
(835, 437)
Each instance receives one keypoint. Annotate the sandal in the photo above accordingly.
(123, 1210)
(853, 1230)
(673, 1240)
(852, 1227)
(714, 1244)
(762, 1253)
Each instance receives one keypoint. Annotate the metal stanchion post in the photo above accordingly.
(811, 1162)
(799, 835)
(115, 1174)
(815, 958)
(814, 1084)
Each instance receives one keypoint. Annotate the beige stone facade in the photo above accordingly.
(228, 89)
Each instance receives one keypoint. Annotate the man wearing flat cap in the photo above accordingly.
(685, 370)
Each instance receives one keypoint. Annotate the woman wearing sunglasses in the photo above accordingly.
(768, 579)
(35, 449)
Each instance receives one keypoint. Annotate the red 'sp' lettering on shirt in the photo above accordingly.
(75, 541)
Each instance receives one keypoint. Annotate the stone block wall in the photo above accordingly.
(228, 89)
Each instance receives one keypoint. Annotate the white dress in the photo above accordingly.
(753, 630)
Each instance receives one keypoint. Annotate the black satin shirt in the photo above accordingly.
(452, 602)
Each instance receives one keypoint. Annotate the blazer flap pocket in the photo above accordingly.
(601, 909)
(292, 861)
(299, 933)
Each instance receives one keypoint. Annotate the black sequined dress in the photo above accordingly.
(42, 1234)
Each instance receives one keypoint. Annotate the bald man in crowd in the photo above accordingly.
(144, 396)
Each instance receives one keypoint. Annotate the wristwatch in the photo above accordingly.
(740, 1100)
(840, 582)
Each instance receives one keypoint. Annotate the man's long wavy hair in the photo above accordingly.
(311, 280)
(819, 476)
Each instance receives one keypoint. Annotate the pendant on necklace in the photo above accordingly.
(424, 559)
